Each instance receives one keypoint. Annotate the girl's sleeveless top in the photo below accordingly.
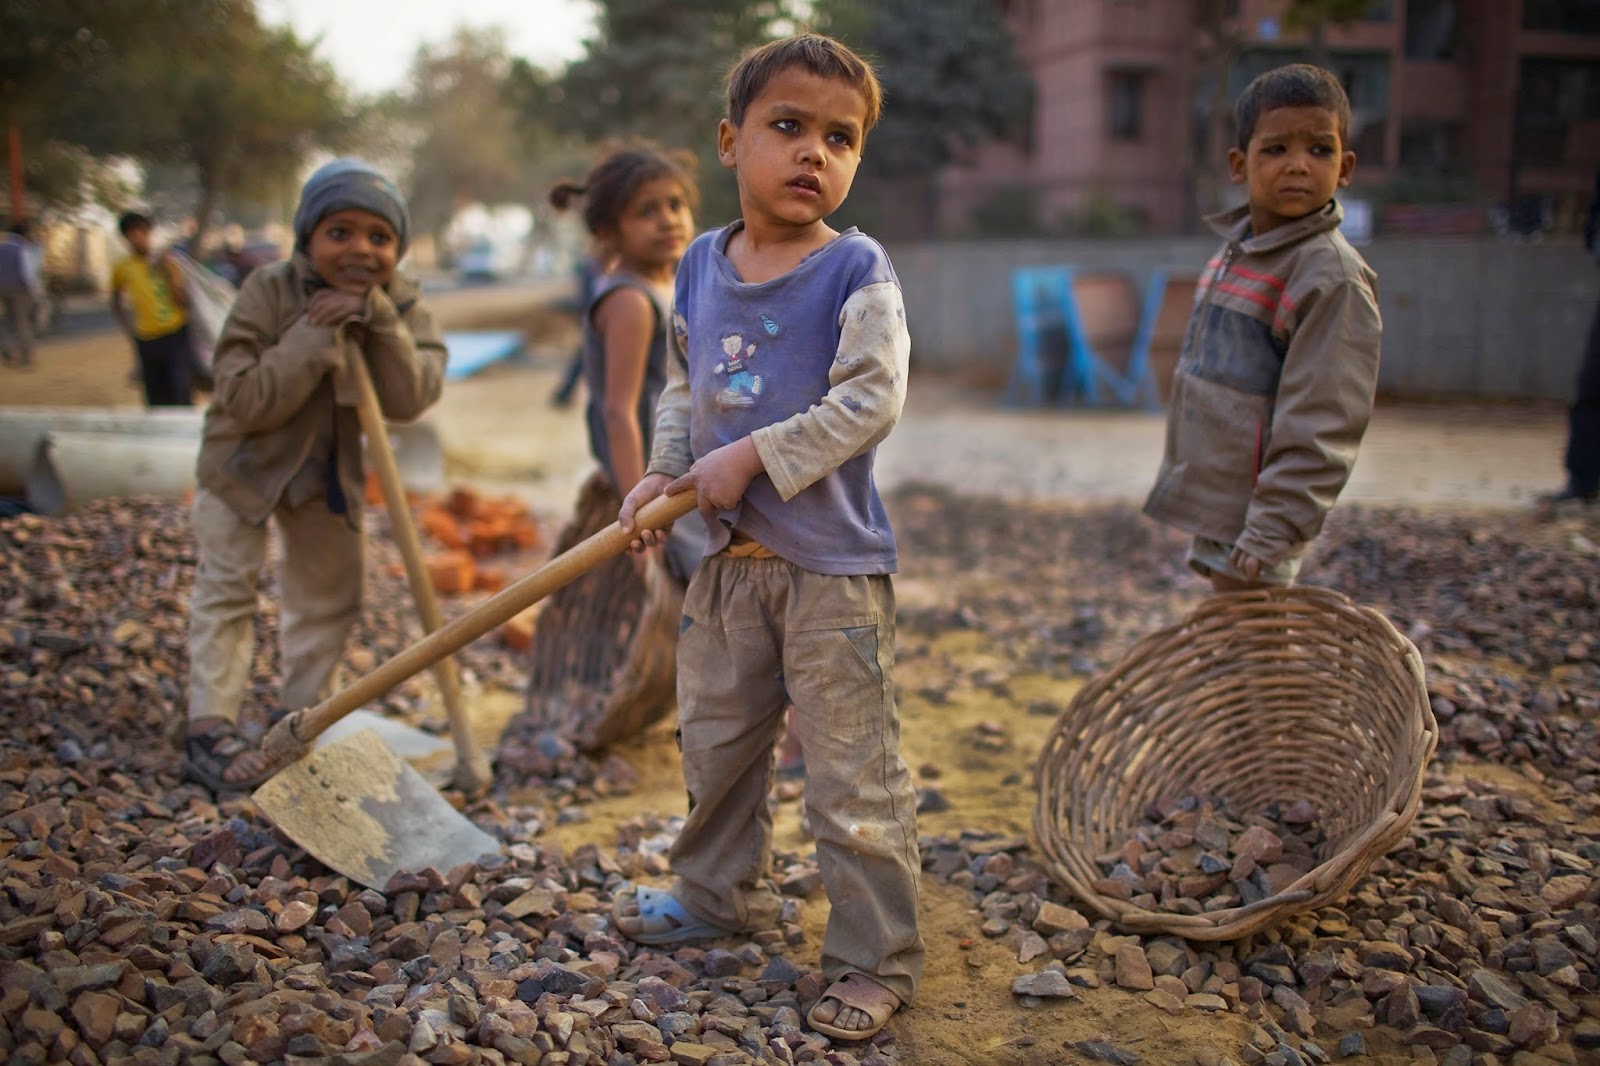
(594, 364)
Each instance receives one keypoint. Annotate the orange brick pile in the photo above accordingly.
(459, 533)
(471, 529)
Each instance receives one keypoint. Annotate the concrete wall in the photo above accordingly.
(1477, 317)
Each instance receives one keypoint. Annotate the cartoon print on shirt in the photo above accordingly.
(743, 386)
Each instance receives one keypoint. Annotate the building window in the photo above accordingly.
(1553, 94)
(1429, 146)
(1124, 104)
(1562, 16)
(1431, 29)
(1563, 90)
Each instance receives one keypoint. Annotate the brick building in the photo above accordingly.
(1479, 101)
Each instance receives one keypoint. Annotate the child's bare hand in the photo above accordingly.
(330, 307)
(648, 488)
(1246, 564)
(721, 477)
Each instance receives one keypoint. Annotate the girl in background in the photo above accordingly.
(638, 206)
(604, 656)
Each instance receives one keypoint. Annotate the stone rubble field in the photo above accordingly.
(144, 921)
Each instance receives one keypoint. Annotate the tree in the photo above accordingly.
(50, 50)
(951, 77)
(244, 111)
(1315, 16)
(951, 80)
(242, 108)
(656, 70)
(1217, 40)
(473, 141)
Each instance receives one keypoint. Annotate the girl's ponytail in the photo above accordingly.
(621, 171)
(565, 191)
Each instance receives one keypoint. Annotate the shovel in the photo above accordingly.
(362, 811)
(472, 773)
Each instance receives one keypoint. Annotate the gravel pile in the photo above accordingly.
(143, 921)
(1197, 854)
(1474, 940)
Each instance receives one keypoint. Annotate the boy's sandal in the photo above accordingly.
(661, 918)
(864, 994)
(208, 756)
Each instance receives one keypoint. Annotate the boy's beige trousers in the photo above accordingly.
(753, 632)
(321, 583)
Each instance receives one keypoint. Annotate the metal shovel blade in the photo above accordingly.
(368, 814)
(432, 757)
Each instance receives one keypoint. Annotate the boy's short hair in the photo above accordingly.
(822, 56)
(1294, 85)
(133, 220)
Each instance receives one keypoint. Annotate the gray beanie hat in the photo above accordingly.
(347, 183)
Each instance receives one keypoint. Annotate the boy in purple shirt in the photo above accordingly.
(789, 360)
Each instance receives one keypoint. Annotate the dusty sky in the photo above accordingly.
(371, 42)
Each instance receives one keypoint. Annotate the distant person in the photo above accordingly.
(1583, 420)
(20, 293)
(1275, 383)
(788, 367)
(149, 302)
(590, 266)
(282, 442)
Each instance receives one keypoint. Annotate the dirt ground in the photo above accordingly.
(502, 435)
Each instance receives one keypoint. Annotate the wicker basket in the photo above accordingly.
(1257, 696)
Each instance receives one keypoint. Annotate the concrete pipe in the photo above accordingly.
(22, 428)
(419, 454)
(73, 469)
(153, 451)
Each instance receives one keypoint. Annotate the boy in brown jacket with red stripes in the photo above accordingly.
(1275, 383)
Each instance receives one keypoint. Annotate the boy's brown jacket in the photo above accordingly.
(1274, 386)
(281, 393)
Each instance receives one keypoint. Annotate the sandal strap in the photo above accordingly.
(205, 763)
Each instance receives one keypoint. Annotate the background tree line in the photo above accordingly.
(222, 111)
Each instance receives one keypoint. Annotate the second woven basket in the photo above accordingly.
(1260, 696)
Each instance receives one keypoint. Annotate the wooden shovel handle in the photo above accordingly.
(289, 737)
(472, 769)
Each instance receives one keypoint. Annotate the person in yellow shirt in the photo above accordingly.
(148, 300)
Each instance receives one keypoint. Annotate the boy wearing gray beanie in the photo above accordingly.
(282, 441)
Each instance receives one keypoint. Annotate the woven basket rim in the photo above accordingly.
(1338, 872)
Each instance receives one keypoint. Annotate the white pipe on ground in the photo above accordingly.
(151, 456)
(22, 428)
(71, 469)
(419, 453)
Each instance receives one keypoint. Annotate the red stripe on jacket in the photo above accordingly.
(1248, 294)
(1256, 275)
